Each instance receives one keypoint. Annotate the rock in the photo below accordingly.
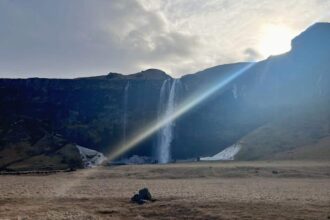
(136, 199)
(90, 158)
(143, 196)
(274, 172)
(135, 159)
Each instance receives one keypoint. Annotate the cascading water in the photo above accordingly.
(125, 103)
(165, 109)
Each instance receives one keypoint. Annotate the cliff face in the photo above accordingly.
(87, 111)
(27, 144)
(291, 90)
(99, 112)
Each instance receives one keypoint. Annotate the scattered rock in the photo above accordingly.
(135, 159)
(143, 196)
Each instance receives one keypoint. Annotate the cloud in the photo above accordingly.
(61, 38)
(73, 38)
(252, 54)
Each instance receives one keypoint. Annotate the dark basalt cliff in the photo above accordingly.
(86, 111)
(91, 111)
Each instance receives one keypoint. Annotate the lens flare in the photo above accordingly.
(181, 109)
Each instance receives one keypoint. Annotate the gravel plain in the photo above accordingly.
(230, 190)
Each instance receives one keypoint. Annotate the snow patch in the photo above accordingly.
(227, 154)
(91, 158)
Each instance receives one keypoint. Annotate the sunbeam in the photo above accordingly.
(186, 105)
(180, 110)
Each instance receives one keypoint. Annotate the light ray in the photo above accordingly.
(151, 129)
(186, 106)
(181, 109)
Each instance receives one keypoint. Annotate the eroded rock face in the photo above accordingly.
(27, 145)
(86, 111)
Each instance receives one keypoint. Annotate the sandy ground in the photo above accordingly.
(250, 190)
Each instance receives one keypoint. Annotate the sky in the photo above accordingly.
(78, 38)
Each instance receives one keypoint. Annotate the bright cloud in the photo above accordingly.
(74, 38)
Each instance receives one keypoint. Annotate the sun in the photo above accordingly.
(275, 39)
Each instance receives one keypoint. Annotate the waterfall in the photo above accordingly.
(166, 108)
(235, 91)
(125, 111)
